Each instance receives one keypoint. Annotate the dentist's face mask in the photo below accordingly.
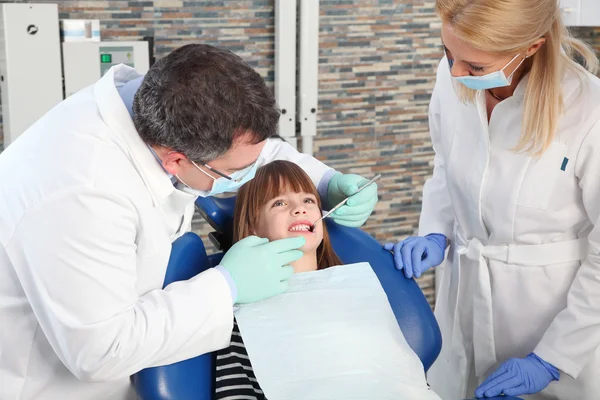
(490, 81)
(224, 184)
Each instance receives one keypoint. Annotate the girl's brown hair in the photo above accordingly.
(272, 180)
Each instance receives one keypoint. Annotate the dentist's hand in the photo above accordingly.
(519, 376)
(417, 254)
(259, 268)
(359, 206)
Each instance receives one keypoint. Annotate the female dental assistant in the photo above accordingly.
(515, 125)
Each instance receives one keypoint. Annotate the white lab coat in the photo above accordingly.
(523, 269)
(87, 219)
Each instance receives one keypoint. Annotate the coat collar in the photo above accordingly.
(117, 118)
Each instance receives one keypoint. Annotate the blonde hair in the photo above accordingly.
(509, 27)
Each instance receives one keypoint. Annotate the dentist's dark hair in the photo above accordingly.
(198, 99)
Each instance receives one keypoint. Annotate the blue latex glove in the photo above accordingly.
(260, 268)
(519, 376)
(360, 205)
(417, 254)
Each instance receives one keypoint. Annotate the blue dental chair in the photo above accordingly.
(194, 378)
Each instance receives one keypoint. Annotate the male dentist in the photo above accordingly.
(91, 198)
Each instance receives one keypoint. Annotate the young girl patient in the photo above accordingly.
(280, 202)
(332, 334)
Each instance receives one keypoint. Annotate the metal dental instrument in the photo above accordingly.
(344, 201)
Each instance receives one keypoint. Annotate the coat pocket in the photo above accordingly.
(541, 176)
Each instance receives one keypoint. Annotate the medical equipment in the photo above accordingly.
(86, 62)
(32, 71)
(331, 335)
(193, 378)
(344, 201)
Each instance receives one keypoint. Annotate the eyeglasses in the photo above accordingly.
(244, 171)
(216, 171)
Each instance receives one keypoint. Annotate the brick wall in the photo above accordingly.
(590, 35)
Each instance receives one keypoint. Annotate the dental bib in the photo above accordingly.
(332, 335)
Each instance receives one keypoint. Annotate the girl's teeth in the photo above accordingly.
(298, 228)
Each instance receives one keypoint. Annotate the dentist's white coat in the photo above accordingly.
(87, 218)
(523, 270)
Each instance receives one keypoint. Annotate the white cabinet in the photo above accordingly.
(590, 13)
(571, 12)
(30, 75)
(580, 12)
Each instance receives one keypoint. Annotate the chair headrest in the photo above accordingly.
(188, 258)
(218, 212)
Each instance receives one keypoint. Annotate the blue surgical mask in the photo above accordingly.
(490, 81)
(222, 185)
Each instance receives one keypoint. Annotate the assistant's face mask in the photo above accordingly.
(490, 81)
(222, 185)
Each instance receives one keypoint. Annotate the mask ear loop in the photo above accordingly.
(195, 165)
(181, 180)
(511, 61)
(203, 171)
(176, 175)
(522, 61)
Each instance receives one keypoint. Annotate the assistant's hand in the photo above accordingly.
(417, 254)
(259, 268)
(519, 376)
(359, 206)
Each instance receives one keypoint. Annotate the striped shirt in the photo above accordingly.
(235, 378)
